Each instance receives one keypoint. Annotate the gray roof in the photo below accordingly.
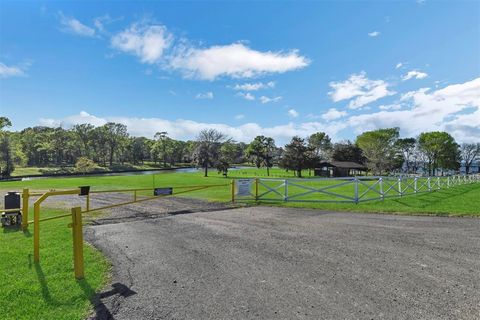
(343, 164)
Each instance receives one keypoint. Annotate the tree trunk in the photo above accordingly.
(206, 171)
(299, 173)
(268, 171)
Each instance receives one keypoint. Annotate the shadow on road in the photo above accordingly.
(100, 309)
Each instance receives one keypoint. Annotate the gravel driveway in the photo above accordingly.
(284, 263)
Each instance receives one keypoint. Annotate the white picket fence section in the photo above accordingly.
(351, 189)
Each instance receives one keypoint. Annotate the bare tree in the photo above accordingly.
(207, 150)
(469, 152)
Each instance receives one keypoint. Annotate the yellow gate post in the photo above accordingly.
(36, 232)
(87, 205)
(256, 189)
(77, 242)
(25, 198)
(233, 190)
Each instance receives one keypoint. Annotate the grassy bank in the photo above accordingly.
(459, 200)
(47, 290)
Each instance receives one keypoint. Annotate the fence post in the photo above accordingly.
(88, 202)
(256, 189)
(448, 182)
(438, 183)
(285, 197)
(25, 198)
(134, 195)
(380, 183)
(415, 189)
(355, 181)
(77, 242)
(428, 184)
(400, 186)
(233, 190)
(36, 232)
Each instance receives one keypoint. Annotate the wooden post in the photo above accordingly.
(233, 190)
(77, 233)
(256, 189)
(25, 198)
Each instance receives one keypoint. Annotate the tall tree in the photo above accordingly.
(261, 151)
(347, 151)
(321, 144)
(407, 147)
(297, 156)
(207, 148)
(440, 150)
(115, 134)
(469, 152)
(6, 158)
(228, 155)
(163, 142)
(380, 149)
(83, 133)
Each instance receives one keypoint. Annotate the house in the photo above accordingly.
(340, 169)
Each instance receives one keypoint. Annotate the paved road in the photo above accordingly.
(280, 263)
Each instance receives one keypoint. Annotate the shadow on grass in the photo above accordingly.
(100, 309)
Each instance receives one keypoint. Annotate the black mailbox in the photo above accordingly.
(84, 190)
(12, 218)
(12, 200)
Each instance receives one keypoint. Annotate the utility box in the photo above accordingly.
(12, 218)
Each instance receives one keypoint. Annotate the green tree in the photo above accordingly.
(321, 144)
(6, 158)
(440, 150)
(261, 151)
(347, 151)
(297, 156)
(115, 135)
(163, 144)
(380, 149)
(228, 155)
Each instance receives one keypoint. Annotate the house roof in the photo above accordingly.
(343, 164)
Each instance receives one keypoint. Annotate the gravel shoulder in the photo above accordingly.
(285, 263)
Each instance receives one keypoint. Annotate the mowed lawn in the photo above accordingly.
(47, 290)
(458, 200)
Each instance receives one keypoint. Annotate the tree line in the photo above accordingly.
(87, 147)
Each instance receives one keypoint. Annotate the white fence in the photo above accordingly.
(348, 189)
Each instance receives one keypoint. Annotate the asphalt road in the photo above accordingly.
(281, 263)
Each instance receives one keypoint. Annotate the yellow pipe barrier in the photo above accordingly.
(77, 234)
(256, 189)
(36, 219)
(233, 190)
(25, 198)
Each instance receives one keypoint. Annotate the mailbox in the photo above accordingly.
(12, 218)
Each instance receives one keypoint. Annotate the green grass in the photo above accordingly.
(459, 200)
(47, 290)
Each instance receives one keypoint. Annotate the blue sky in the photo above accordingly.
(246, 68)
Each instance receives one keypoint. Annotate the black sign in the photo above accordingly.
(162, 191)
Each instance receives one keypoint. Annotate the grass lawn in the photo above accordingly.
(47, 290)
(458, 200)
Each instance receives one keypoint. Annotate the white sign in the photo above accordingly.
(243, 187)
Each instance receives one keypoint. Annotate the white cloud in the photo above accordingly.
(399, 65)
(235, 60)
(264, 99)
(293, 113)
(72, 25)
(333, 114)
(246, 96)
(147, 42)
(390, 107)
(11, 71)
(188, 129)
(361, 88)
(239, 117)
(374, 34)
(206, 95)
(414, 74)
(448, 109)
(254, 86)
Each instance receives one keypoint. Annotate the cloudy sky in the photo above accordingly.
(245, 68)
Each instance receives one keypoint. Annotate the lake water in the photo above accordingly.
(132, 173)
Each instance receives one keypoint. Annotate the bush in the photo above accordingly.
(85, 165)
